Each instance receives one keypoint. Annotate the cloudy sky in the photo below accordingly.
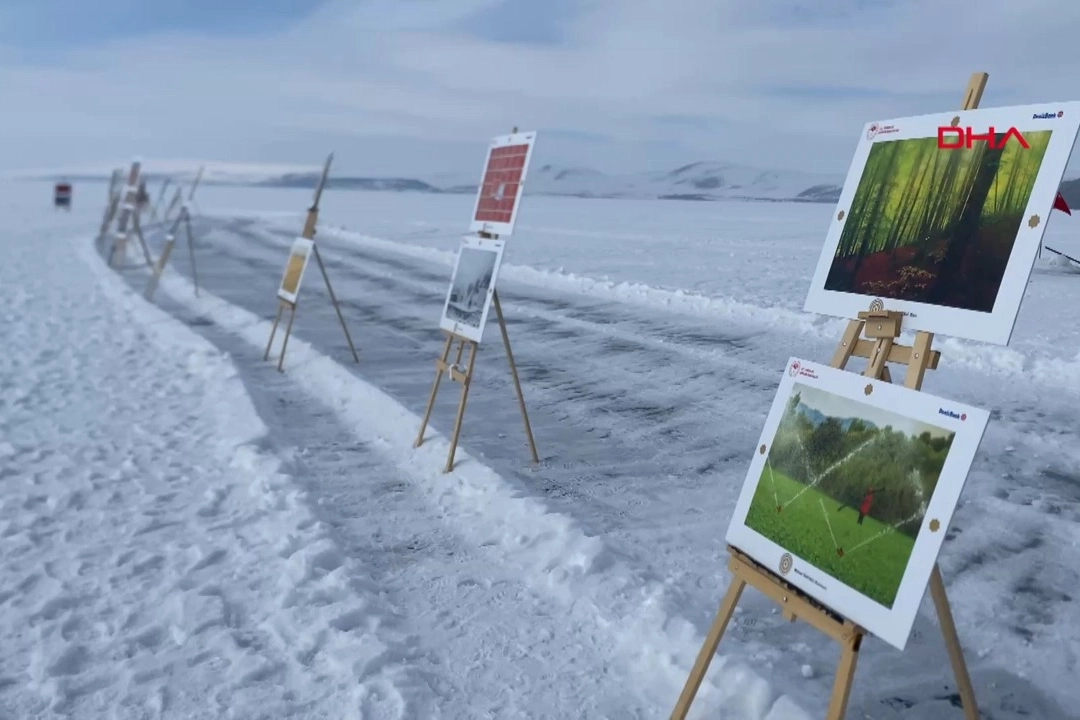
(415, 87)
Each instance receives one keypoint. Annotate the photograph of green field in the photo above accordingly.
(936, 225)
(845, 487)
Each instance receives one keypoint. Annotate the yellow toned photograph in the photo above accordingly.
(294, 269)
(291, 282)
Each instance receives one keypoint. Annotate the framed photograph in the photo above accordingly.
(501, 187)
(472, 287)
(851, 491)
(941, 218)
(294, 269)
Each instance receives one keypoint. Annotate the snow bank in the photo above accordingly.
(155, 560)
(546, 548)
(989, 359)
(637, 293)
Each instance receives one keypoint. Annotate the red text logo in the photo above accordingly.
(957, 138)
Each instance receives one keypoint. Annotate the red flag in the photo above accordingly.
(1060, 204)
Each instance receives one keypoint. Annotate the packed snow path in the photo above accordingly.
(155, 561)
(160, 559)
(643, 418)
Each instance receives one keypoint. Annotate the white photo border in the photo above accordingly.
(308, 247)
(504, 229)
(453, 326)
(993, 327)
(891, 625)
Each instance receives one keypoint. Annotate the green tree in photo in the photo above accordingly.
(936, 225)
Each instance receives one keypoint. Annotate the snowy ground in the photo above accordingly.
(187, 528)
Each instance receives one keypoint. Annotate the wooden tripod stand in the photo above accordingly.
(129, 213)
(465, 378)
(882, 328)
(177, 201)
(157, 203)
(309, 233)
(170, 240)
(291, 307)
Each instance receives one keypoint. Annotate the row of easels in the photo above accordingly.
(461, 370)
(123, 212)
(881, 329)
(124, 207)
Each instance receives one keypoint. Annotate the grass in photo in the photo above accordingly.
(845, 487)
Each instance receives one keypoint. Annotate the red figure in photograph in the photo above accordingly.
(867, 503)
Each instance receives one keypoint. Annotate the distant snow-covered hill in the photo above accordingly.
(696, 181)
(214, 173)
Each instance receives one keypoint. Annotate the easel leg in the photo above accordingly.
(285, 340)
(434, 390)
(191, 252)
(514, 373)
(878, 359)
(151, 286)
(708, 650)
(465, 384)
(847, 344)
(273, 330)
(845, 676)
(142, 242)
(333, 299)
(952, 644)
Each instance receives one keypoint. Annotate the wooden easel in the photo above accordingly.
(178, 197)
(157, 203)
(177, 201)
(170, 240)
(465, 378)
(309, 233)
(119, 249)
(881, 327)
(129, 213)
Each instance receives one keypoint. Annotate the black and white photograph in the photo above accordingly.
(467, 301)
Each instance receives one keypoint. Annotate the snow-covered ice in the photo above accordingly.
(188, 533)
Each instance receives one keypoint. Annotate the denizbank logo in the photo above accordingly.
(1048, 115)
(951, 414)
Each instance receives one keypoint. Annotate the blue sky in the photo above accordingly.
(415, 87)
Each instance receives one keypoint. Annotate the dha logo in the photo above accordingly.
(1048, 115)
(951, 414)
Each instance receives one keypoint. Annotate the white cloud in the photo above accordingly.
(367, 79)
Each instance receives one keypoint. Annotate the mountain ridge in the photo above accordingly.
(702, 180)
(698, 181)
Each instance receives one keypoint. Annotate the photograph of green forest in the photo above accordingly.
(934, 225)
(845, 487)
